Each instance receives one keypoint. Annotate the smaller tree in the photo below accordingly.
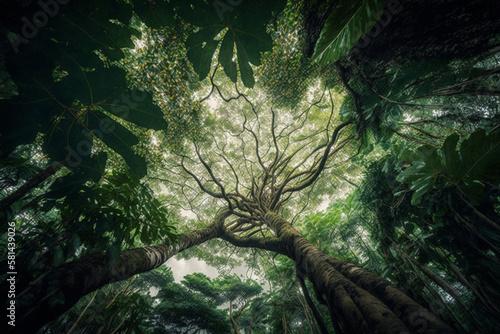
(227, 289)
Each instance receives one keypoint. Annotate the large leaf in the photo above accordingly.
(246, 28)
(155, 14)
(476, 162)
(451, 159)
(118, 138)
(481, 156)
(421, 179)
(201, 47)
(90, 168)
(226, 54)
(348, 22)
(89, 25)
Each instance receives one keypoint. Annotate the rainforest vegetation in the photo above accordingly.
(346, 153)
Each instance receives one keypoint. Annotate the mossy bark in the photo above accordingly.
(359, 299)
(56, 291)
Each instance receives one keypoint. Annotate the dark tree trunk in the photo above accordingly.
(362, 301)
(56, 291)
(430, 29)
(34, 182)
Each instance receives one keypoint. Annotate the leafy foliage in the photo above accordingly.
(467, 169)
(75, 98)
(158, 64)
(108, 88)
(285, 74)
(246, 31)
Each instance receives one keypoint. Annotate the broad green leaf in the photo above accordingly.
(245, 67)
(87, 25)
(137, 107)
(226, 57)
(118, 138)
(201, 48)
(421, 187)
(474, 189)
(89, 168)
(20, 125)
(155, 14)
(348, 22)
(430, 155)
(451, 159)
(420, 177)
(481, 156)
(246, 24)
(197, 12)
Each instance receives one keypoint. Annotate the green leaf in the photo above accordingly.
(246, 25)
(86, 168)
(420, 177)
(197, 12)
(118, 138)
(20, 124)
(481, 156)
(137, 107)
(421, 187)
(451, 159)
(348, 22)
(473, 189)
(245, 68)
(430, 155)
(226, 57)
(201, 48)
(87, 25)
(155, 14)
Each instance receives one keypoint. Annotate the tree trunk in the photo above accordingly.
(56, 291)
(319, 319)
(429, 273)
(363, 302)
(231, 318)
(430, 29)
(32, 183)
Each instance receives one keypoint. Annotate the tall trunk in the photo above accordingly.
(319, 319)
(429, 273)
(231, 318)
(53, 293)
(32, 183)
(429, 29)
(72, 328)
(249, 331)
(363, 302)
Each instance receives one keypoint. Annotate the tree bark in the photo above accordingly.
(429, 273)
(231, 318)
(364, 302)
(319, 319)
(429, 29)
(56, 291)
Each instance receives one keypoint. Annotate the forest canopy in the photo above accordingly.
(345, 153)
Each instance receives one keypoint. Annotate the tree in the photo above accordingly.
(291, 156)
(229, 289)
(254, 170)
